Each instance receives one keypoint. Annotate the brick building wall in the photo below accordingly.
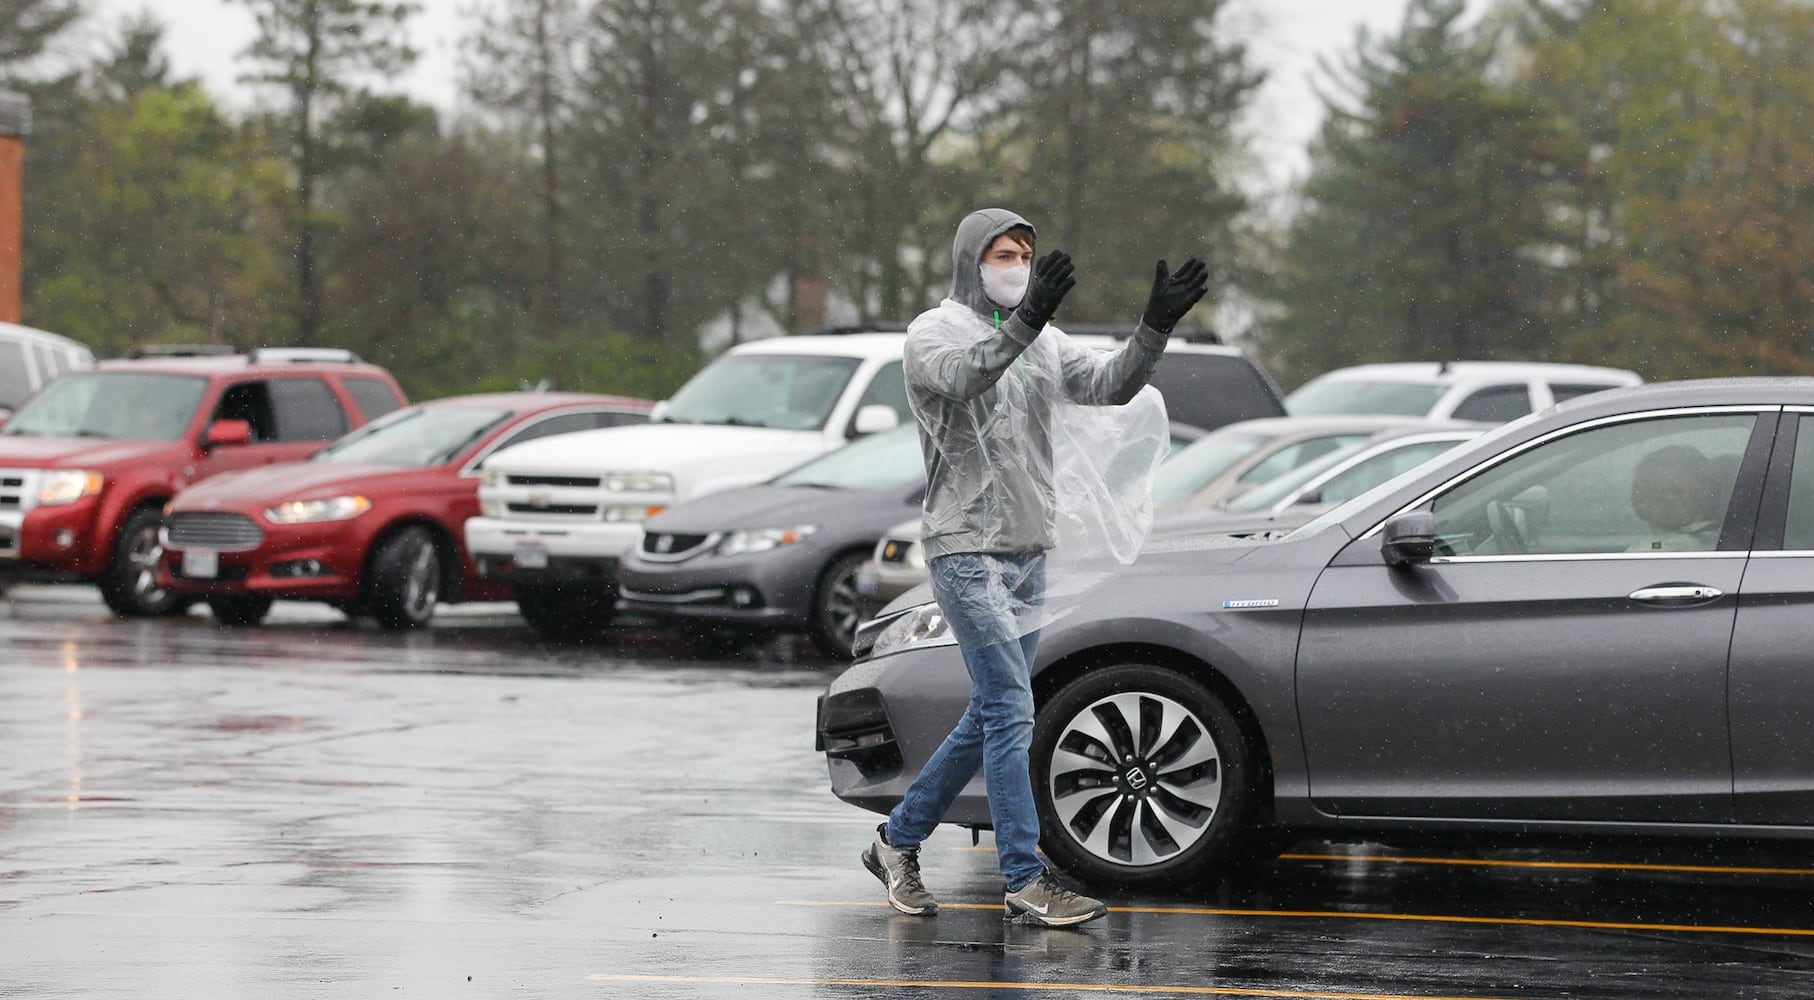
(15, 124)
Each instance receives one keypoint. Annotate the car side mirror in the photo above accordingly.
(226, 432)
(874, 419)
(658, 412)
(1409, 538)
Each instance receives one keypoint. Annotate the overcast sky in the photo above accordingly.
(1286, 39)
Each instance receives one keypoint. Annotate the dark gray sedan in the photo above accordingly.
(1595, 619)
(782, 555)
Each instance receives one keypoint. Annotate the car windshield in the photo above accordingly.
(1288, 483)
(878, 462)
(419, 436)
(132, 406)
(1190, 469)
(763, 390)
(1341, 396)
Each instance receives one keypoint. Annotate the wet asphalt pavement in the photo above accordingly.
(318, 809)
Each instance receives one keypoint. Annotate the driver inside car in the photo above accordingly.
(1674, 492)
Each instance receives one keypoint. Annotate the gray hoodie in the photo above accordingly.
(985, 388)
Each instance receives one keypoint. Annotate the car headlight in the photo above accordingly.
(311, 511)
(490, 477)
(491, 508)
(62, 486)
(739, 543)
(924, 625)
(639, 482)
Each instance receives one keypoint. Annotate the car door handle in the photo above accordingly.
(1677, 594)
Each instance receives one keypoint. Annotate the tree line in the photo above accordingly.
(1610, 181)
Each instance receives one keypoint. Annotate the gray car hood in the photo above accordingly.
(769, 506)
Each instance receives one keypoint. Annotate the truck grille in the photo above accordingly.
(569, 509)
(13, 487)
(578, 482)
(226, 532)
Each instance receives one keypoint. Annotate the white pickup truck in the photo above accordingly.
(556, 515)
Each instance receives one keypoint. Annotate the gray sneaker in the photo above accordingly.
(900, 871)
(1043, 901)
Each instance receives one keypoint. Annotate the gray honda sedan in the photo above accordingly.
(1595, 619)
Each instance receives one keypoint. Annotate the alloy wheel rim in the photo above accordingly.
(841, 607)
(143, 555)
(419, 587)
(1135, 778)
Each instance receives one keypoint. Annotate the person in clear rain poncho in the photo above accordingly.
(1034, 444)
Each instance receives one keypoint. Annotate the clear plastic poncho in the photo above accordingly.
(1033, 443)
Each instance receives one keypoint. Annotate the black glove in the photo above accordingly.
(1174, 294)
(1045, 289)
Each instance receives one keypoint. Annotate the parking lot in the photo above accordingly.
(321, 809)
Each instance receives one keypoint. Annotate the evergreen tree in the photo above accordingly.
(1429, 226)
(27, 27)
(315, 50)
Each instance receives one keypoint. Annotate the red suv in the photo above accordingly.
(373, 523)
(87, 464)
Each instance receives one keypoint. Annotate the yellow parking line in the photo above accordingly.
(959, 984)
(1435, 918)
(1579, 865)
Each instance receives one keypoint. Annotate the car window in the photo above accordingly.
(879, 461)
(1295, 454)
(888, 388)
(560, 423)
(1495, 404)
(1659, 485)
(132, 406)
(251, 402)
(1319, 398)
(14, 384)
(1350, 483)
(306, 410)
(373, 396)
(1191, 468)
(1798, 533)
(1565, 391)
(619, 418)
(763, 390)
(1213, 390)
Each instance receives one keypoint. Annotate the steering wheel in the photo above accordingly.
(1503, 522)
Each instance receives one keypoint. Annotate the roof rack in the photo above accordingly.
(181, 351)
(302, 355)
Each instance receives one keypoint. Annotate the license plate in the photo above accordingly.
(531, 555)
(201, 564)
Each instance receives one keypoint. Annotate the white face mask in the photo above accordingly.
(1006, 286)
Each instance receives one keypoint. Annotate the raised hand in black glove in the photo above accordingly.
(1174, 293)
(1046, 289)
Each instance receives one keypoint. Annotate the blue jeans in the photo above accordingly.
(979, 593)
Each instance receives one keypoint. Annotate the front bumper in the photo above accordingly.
(764, 589)
(316, 562)
(49, 543)
(564, 553)
(881, 720)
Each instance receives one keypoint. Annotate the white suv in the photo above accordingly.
(1486, 391)
(558, 514)
(29, 358)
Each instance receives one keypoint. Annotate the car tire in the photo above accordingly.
(1114, 810)
(836, 606)
(129, 583)
(239, 610)
(561, 614)
(403, 581)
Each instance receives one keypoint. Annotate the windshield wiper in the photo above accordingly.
(85, 433)
(740, 422)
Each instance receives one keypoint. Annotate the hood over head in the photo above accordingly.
(974, 234)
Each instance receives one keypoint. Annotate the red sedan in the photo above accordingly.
(370, 524)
